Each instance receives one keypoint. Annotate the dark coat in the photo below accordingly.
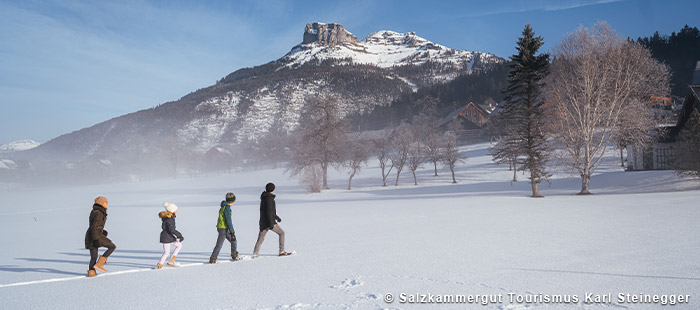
(96, 231)
(268, 211)
(169, 233)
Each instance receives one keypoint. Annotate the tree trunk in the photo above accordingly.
(435, 163)
(454, 180)
(535, 187)
(350, 182)
(622, 160)
(383, 177)
(415, 181)
(585, 182)
(586, 173)
(515, 172)
(397, 178)
(325, 175)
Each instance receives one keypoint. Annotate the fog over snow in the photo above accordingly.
(638, 234)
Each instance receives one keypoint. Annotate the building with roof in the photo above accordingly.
(474, 119)
(662, 153)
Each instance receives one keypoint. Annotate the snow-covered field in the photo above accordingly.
(638, 235)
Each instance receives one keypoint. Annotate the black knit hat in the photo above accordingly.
(270, 187)
(230, 197)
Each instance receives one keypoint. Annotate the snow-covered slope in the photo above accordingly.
(21, 145)
(637, 235)
(7, 164)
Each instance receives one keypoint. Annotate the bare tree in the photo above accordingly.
(426, 129)
(320, 137)
(401, 140)
(357, 153)
(598, 86)
(507, 150)
(310, 176)
(637, 132)
(416, 158)
(382, 150)
(450, 150)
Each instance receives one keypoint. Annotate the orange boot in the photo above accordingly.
(91, 273)
(172, 262)
(101, 263)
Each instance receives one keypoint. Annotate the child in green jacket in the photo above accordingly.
(224, 227)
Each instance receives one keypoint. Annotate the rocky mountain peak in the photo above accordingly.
(327, 34)
(389, 37)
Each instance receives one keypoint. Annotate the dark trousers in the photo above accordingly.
(224, 234)
(93, 254)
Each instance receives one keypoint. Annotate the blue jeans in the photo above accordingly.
(223, 234)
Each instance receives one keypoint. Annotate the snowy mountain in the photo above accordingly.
(16, 146)
(253, 104)
(383, 49)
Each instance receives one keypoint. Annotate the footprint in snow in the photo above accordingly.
(347, 284)
(367, 296)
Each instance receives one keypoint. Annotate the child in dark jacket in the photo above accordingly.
(96, 236)
(169, 236)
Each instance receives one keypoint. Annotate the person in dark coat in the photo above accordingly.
(269, 219)
(96, 236)
(170, 235)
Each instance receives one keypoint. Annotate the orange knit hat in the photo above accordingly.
(101, 201)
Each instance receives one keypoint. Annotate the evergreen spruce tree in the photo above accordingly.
(522, 116)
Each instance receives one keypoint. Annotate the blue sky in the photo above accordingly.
(66, 65)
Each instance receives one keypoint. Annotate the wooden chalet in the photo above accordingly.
(474, 116)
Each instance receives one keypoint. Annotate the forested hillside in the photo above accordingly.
(680, 51)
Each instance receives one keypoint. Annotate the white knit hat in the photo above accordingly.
(170, 207)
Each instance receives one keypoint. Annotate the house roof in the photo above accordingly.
(695, 91)
(692, 102)
(480, 108)
(454, 113)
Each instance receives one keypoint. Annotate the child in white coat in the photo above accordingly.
(169, 236)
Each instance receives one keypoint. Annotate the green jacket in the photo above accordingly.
(225, 215)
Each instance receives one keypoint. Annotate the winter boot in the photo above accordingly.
(212, 260)
(285, 253)
(159, 266)
(172, 262)
(101, 263)
(91, 273)
(235, 257)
